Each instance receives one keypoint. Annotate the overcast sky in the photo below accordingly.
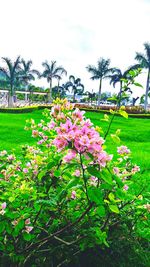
(75, 33)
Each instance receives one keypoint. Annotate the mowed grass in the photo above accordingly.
(135, 133)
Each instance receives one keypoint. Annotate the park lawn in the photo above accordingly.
(135, 133)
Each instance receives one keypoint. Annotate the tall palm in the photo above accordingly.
(76, 86)
(117, 76)
(11, 73)
(51, 72)
(144, 62)
(26, 73)
(99, 72)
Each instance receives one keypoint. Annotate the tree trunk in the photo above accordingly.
(10, 100)
(10, 97)
(74, 96)
(147, 89)
(99, 92)
(49, 95)
(119, 95)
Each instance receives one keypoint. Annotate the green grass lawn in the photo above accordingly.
(135, 133)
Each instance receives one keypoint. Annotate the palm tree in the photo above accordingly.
(52, 72)
(99, 72)
(76, 86)
(11, 73)
(26, 73)
(144, 62)
(117, 76)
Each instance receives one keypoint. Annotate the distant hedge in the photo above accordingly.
(34, 108)
(23, 109)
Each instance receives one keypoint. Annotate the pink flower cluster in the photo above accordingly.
(2, 208)
(78, 133)
(123, 150)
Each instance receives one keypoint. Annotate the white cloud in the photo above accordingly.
(75, 33)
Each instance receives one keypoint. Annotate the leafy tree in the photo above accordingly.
(11, 73)
(99, 72)
(144, 62)
(118, 76)
(26, 73)
(59, 91)
(76, 86)
(51, 72)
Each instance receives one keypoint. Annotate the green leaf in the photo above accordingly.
(72, 183)
(111, 196)
(95, 195)
(106, 176)
(114, 208)
(101, 211)
(115, 138)
(138, 84)
(118, 132)
(123, 113)
(42, 174)
(57, 173)
(94, 172)
(27, 236)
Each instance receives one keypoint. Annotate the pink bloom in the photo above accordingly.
(27, 221)
(73, 195)
(45, 128)
(35, 133)
(123, 150)
(77, 173)
(40, 142)
(135, 169)
(147, 206)
(60, 142)
(116, 170)
(126, 187)
(25, 170)
(93, 180)
(51, 125)
(10, 157)
(15, 222)
(3, 153)
(3, 206)
(2, 209)
(71, 155)
(28, 164)
(28, 229)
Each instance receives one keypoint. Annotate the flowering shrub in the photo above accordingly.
(65, 194)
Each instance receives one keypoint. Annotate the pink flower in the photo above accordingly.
(71, 155)
(135, 169)
(93, 180)
(126, 187)
(60, 142)
(11, 157)
(28, 164)
(28, 229)
(123, 150)
(3, 153)
(3, 206)
(73, 195)
(15, 222)
(51, 125)
(25, 170)
(77, 173)
(35, 133)
(116, 170)
(45, 128)
(40, 142)
(27, 221)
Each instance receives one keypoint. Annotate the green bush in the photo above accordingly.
(67, 196)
